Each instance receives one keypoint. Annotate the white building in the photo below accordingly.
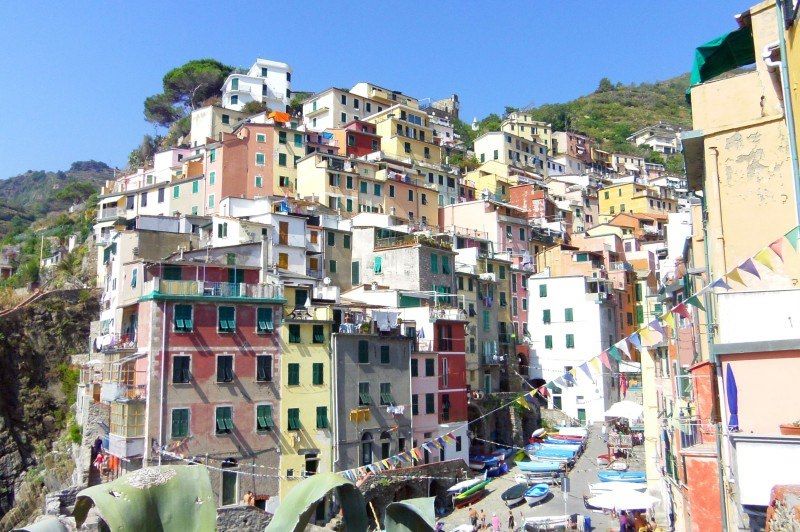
(661, 137)
(333, 108)
(570, 320)
(212, 121)
(511, 149)
(572, 165)
(268, 82)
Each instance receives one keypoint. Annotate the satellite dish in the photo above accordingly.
(326, 281)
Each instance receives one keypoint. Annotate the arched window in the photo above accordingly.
(366, 449)
(386, 444)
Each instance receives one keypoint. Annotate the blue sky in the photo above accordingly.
(75, 76)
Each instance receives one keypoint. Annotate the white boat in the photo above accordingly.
(548, 522)
(622, 500)
(605, 487)
(573, 431)
(618, 465)
(465, 484)
(536, 493)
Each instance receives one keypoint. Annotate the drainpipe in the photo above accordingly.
(162, 377)
(718, 192)
(713, 360)
(787, 104)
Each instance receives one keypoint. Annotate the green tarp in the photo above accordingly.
(720, 55)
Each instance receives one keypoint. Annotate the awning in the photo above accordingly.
(717, 56)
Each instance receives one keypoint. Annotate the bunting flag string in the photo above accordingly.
(596, 365)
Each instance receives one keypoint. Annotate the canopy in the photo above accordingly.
(625, 409)
(720, 55)
(732, 393)
(623, 499)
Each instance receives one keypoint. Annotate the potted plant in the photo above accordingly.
(791, 429)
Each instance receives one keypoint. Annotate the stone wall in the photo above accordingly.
(239, 518)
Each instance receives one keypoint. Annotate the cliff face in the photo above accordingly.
(36, 342)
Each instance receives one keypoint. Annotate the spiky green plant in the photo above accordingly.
(411, 515)
(49, 524)
(296, 509)
(158, 499)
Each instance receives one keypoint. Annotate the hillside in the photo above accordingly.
(38, 192)
(613, 112)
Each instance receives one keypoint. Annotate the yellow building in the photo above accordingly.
(406, 134)
(636, 198)
(792, 58)
(523, 125)
(305, 387)
(497, 178)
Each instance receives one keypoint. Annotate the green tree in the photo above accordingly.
(675, 164)
(604, 86)
(160, 109)
(509, 109)
(254, 107)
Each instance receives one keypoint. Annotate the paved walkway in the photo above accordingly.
(583, 474)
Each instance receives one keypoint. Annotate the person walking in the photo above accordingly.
(483, 519)
(495, 522)
(624, 523)
(473, 517)
(510, 521)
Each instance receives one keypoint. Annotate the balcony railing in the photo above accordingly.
(110, 213)
(621, 266)
(214, 289)
(115, 342)
(453, 314)
(409, 240)
(494, 359)
(447, 345)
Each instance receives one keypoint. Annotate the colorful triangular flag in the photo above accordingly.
(793, 236)
(777, 247)
(695, 302)
(585, 368)
(604, 359)
(522, 402)
(615, 353)
(720, 283)
(656, 326)
(595, 365)
(648, 337)
(622, 345)
(750, 267)
(734, 275)
(682, 311)
(669, 319)
(634, 339)
(765, 257)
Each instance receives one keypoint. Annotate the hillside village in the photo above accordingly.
(325, 287)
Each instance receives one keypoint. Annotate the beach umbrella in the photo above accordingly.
(625, 409)
(733, 399)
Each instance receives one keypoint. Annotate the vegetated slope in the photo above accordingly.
(613, 112)
(38, 192)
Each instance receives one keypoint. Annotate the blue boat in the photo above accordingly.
(555, 441)
(540, 467)
(479, 462)
(549, 452)
(536, 493)
(621, 476)
(497, 470)
(558, 446)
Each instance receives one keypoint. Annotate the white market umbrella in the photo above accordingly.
(625, 409)
(623, 499)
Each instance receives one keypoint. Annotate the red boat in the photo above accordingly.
(478, 495)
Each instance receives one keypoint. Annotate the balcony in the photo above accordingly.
(310, 314)
(494, 359)
(158, 288)
(621, 266)
(450, 314)
(109, 343)
(505, 338)
(446, 345)
(110, 213)
(409, 240)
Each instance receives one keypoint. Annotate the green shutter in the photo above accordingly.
(377, 265)
(434, 263)
(316, 373)
(319, 334)
(226, 321)
(293, 418)
(355, 275)
(294, 333)
(264, 417)
(430, 406)
(414, 367)
(546, 315)
(180, 423)
(445, 264)
(346, 241)
(264, 368)
(385, 356)
(542, 290)
(567, 314)
(264, 320)
(430, 367)
(570, 341)
(548, 342)
(294, 374)
(639, 314)
(224, 421)
(183, 318)
(322, 417)
(363, 352)
(331, 238)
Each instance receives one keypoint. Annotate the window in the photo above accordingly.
(226, 319)
(260, 159)
(445, 264)
(224, 420)
(486, 322)
(430, 367)
(264, 322)
(260, 137)
(180, 423)
(427, 152)
(259, 181)
(294, 333)
(407, 147)
(222, 230)
(344, 117)
(211, 201)
(502, 272)
(548, 342)
(318, 336)
(570, 341)
(161, 194)
(293, 418)
(293, 374)
(458, 444)
(445, 406)
(344, 99)
(567, 314)
(226, 119)
(264, 418)
(546, 316)
(322, 417)
(434, 263)
(183, 318)
(264, 368)
(283, 260)
(316, 373)
(176, 191)
(364, 398)
(377, 189)
(355, 276)
(386, 393)
(331, 238)
(346, 241)
(362, 187)
(410, 195)
(180, 369)
(414, 367)
(385, 356)
(332, 266)
(415, 405)
(430, 403)
(542, 290)
(281, 137)
(225, 368)
(363, 352)
(281, 159)
(144, 195)
(235, 99)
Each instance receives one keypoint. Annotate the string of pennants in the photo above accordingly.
(646, 336)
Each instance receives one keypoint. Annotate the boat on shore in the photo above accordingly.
(616, 485)
(514, 495)
(536, 493)
(479, 462)
(548, 522)
(471, 494)
(535, 466)
(465, 485)
(622, 476)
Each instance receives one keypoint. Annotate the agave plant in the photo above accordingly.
(49, 524)
(159, 499)
(411, 515)
(296, 509)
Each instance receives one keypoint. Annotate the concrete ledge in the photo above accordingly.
(764, 346)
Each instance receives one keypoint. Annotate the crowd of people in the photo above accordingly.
(636, 521)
